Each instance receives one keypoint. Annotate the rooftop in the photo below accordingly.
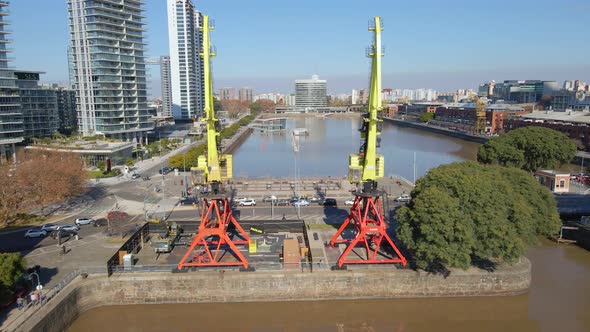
(82, 146)
(567, 116)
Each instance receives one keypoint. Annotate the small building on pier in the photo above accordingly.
(556, 182)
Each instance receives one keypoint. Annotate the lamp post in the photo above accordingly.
(39, 286)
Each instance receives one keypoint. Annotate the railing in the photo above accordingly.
(172, 268)
(32, 307)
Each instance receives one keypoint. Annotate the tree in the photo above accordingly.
(426, 117)
(129, 162)
(12, 268)
(262, 105)
(463, 213)
(233, 107)
(529, 148)
(101, 165)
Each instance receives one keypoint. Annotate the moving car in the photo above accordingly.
(270, 198)
(35, 232)
(248, 202)
(301, 202)
(135, 176)
(69, 228)
(165, 170)
(349, 202)
(49, 227)
(328, 202)
(403, 198)
(187, 200)
(241, 199)
(84, 221)
(315, 199)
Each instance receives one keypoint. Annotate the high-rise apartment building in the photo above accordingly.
(245, 94)
(186, 64)
(227, 94)
(66, 108)
(11, 118)
(166, 86)
(38, 105)
(108, 67)
(311, 92)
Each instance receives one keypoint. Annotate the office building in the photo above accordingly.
(227, 94)
(186, 64)
(38, 105)
(108, 67)
(166, 86)
(245, 94)
(11, 118)
(527, 91)
(311, 92)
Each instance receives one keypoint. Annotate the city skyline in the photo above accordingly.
(270, 59)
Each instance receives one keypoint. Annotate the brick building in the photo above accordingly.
(462, 116)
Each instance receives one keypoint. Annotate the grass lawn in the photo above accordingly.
(97, 174)
(22, 220)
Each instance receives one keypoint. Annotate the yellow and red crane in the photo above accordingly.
(212, 240)
(366, 214)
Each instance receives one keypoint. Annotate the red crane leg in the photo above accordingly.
(208, 246)
(366, 214)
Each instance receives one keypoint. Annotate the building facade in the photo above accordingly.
(108, 67)
(11, 117)
(186, 64)
(527, 91)
(245, 94)
(227, 94)
(166, 81)
(66, 108)
(311, 92)
(38, 105)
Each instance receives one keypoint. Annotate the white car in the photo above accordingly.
(301, 202)
(349, 202)
(403, 198)
(270, 198)
(84, 221)
(49, 227)
(248, 202)
(35, 232)
(242, 199)
(69, 228)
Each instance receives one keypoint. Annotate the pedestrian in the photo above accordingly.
(19, 303)
(63, 249)
(284, 218)
(33, 297)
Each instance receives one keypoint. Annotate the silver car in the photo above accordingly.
(35, 232)
(69, 228)
(84, 221)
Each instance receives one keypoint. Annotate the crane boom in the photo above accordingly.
(366, 167)
(213, 167)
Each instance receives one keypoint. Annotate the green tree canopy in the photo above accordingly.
(426, 117)
(12, 269)
(466, 212)
(529, 148)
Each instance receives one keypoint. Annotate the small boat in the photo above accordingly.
(300, 132)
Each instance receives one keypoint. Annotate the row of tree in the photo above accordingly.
(466, 213)
(234, 107)
(39, 179)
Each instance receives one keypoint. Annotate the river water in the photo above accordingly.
(559, 299)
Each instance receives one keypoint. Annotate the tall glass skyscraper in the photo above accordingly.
(11, 117)
(186, 65)
(311, 92)
(107, 65)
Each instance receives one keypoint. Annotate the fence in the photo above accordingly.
(31, 308)
(173, 268)
(132, 245)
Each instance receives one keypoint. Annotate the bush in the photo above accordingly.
(129, 162)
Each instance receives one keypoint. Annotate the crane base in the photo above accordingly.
(366, 215)
(212, 241)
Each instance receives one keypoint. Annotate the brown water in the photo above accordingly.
(559, 300)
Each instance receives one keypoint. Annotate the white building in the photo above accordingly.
(311, 92)
(354, 97)
(186, 63)
(107, 65)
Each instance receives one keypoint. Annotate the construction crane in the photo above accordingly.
(366, 213)
(212, 241)
(480, 115)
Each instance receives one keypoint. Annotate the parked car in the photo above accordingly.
(315, 199)
(135, 176)
(328, 202)
(301, 202)
(349, 202)
(248, 202)
(49, 227)
(60, 233)
(35, 232)
(270, 198)
(282, 202)
(187, 200)
(241, 199)
(69, 228)
(403, 198)
(84, 221)
(165, 170)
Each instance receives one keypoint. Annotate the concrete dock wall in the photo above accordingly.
(145, 288)
(438, 130)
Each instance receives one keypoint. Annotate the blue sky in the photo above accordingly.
(266, 44)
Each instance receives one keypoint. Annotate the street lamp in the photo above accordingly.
(39, 286)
